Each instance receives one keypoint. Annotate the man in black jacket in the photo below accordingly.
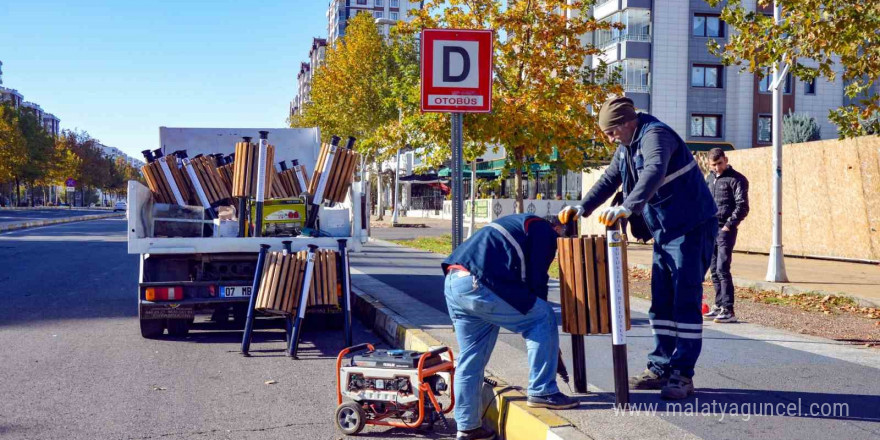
(730, 189)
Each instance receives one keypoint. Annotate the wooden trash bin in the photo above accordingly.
(584, 286)
(282, 281)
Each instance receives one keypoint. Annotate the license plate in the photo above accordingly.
(235, 291)
(170, 311)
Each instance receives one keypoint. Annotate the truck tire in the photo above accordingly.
(152, 328)
(178, 327)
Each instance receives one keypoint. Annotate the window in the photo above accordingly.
(708, 25)
(378, 3)
(637, 24)
(764, 85)
(706, 126)
(361, 2)
(765, 128)
(810, 87)
(394, 3)
(394, 16)
(378, 14)
(706, 76)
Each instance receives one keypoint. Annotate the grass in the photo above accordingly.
(443, 245)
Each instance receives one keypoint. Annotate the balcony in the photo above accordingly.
(636, 88)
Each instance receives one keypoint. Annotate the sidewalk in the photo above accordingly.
(860, 281)
(13, 224)
(743, 368)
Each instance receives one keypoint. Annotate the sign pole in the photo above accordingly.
(457, 196)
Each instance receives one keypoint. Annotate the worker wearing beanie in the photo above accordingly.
(665, 198)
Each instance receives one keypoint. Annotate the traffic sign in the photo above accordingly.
(457, 70)
(70, 182)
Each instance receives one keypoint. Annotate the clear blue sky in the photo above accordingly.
(120, 69)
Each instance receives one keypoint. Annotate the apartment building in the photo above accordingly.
(668, 71)
(341, 10)
(49, 121)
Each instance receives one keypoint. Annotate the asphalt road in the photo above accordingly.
(741, 365)
(8, 216)
(74, 365)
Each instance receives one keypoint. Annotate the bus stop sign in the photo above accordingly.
(456, 70)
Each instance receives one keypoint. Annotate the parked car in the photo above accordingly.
(120, 206)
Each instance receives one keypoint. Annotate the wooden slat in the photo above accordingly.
(592, 288)
(316, 175)
(339, 179)
(334, 278)
(602, 278)
(263, 298)
(273, 280)
(280, 290)
(568, 317)
(289, 289)
(163, 182)
(560, 255)
(580, 285)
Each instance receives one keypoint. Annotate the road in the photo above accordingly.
(741, 365)
(10, 216)
(75, 366)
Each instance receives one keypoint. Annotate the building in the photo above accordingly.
(668, 71)
(304, 77)
(49, 121)
(341, 10)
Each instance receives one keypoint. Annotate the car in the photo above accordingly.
(120, 206)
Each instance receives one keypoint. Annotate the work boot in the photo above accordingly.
(476, 434)
(726, 316)
(552, 401)
(648, 380)
(678, 387)
(712, 313)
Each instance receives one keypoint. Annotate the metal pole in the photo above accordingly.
(261, 182)
(252, 302)
(776, 262)
(303, 300)
(615, 243)
(346, 290)
(457, 196)
(396, 190)
(473, 197)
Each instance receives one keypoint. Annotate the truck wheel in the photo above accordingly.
(350, 418)
(152, 328)
(178, 327)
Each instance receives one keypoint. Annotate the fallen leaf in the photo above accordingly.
(270, 382)
(158, 388)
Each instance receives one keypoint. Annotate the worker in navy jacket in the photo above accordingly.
(664, 191)
(498, 278)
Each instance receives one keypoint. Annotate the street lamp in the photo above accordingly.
(386, 22)
(405, 149)
(776, 261)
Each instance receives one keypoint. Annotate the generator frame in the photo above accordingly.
(363, 407)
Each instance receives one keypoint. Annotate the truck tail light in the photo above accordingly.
(164, 293)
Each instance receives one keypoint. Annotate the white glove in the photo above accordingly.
(611, 214)
(570, 212)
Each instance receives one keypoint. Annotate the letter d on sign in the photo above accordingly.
(447, 64)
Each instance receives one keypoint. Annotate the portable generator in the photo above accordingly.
(396, 388)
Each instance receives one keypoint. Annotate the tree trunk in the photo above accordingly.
(380, 208)
(517, 183)
(17, 192)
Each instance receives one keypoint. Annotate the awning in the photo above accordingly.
(466, 173)
(422, 178)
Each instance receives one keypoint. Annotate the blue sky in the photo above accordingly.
(120, 69)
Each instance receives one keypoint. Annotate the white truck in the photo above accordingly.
(215, 273)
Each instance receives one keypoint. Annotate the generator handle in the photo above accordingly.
(439, 351)
(345, 351)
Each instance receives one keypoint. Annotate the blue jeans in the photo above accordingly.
(477, 314)
(677, 274)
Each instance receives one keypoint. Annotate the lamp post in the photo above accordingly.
(776, 262)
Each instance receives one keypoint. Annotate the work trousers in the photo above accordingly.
(719, 268)
(677, 274)
(477, 314)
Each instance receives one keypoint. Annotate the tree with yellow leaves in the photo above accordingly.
(543, 89)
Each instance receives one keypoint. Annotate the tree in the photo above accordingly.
(543, 89)
(799, 127)
(12, 146)
(814, 36)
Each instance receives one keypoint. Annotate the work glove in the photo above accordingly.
(570, 212)
(611, 214)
